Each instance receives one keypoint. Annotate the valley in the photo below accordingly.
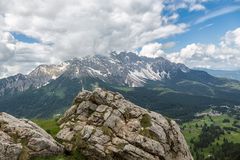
(211, 132)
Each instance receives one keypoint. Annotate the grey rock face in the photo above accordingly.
(40, 76)
(103, 125)
(21, 139)
(9, 150)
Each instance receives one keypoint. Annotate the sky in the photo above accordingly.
(198, 33)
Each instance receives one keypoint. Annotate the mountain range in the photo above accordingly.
(230, 74)
(156, 83)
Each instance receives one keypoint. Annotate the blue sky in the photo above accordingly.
(24, 38)
(210, 30)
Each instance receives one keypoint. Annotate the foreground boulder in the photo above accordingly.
(103, 125)
(21, 139)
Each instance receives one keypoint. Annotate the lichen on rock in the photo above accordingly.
(103, 125)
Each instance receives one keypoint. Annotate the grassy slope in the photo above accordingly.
(51, 126)
(190, 131)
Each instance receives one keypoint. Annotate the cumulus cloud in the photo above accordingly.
(152, 50)
(5, 53)
(3, 71)
(232, 38)
(191, 5)
(80, 27)
(76, 28)
(6, 47)
(197, 7)
(155, 49)
(19, 57)
(225, 55)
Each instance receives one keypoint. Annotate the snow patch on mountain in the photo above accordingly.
(94, 71)
(146, 73)
(137, 78)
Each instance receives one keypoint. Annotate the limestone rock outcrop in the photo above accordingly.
(103, 125)
(21, 139)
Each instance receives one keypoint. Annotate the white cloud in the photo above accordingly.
(6, 48)
(191, 5)
(5, 53)
(77, 28)
(197, 7)
(216, 13)
(3, 71)
(232, 38)
(206, 26)
(152, 50)
(168, 45)
(18, 57)
(225, 55)
(155, 49)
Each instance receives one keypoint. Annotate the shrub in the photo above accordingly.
(146, 121)
(107, 131)
(150, 134)
(226, 120)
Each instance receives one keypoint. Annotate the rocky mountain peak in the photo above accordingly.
(124, 68)
(126, 57)
(48, 71)
(104, 125)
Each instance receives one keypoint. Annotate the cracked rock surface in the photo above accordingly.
(103, 125)
(21, 139)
